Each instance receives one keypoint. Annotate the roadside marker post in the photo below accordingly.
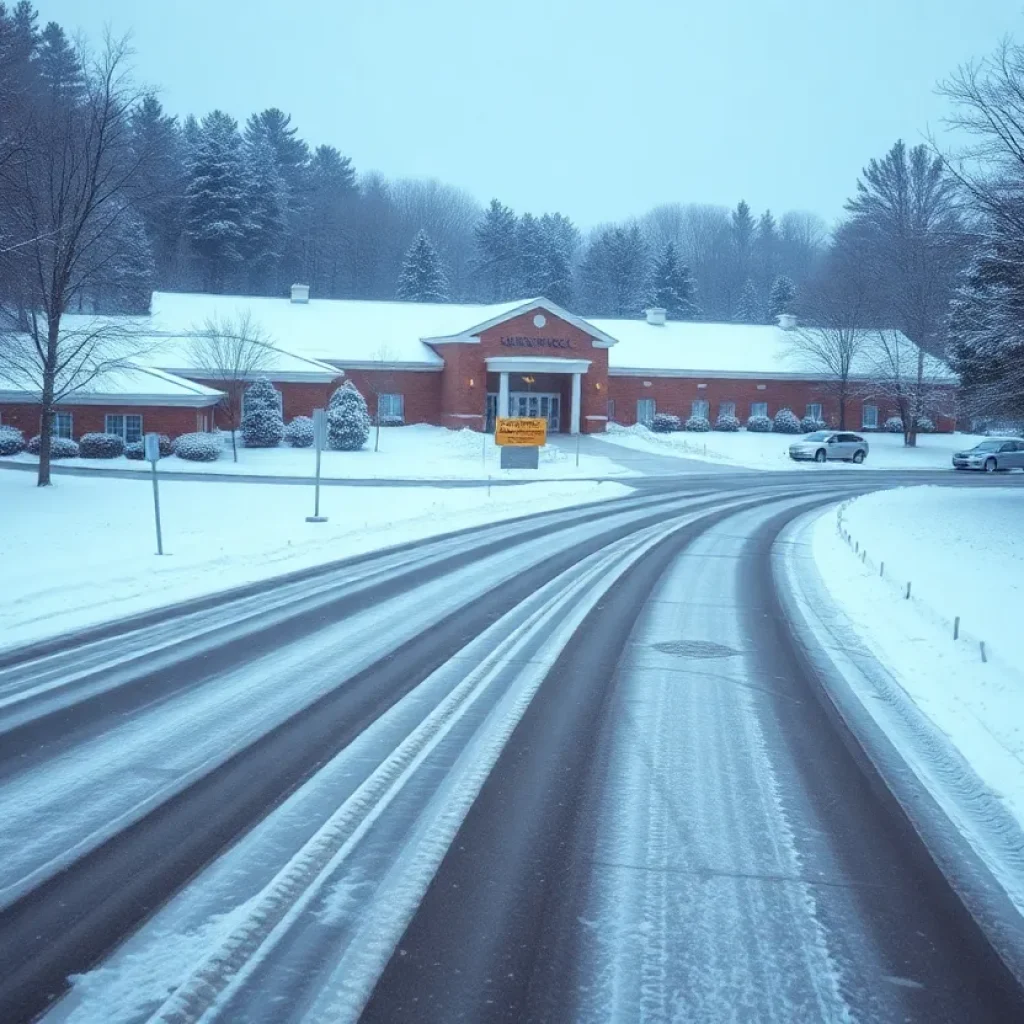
(319, 438)
(151, 449)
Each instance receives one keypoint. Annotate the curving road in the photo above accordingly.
(568, 768)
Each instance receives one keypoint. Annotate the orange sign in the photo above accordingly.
(521, 431)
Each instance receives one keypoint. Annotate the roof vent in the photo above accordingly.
(300, 293)
(786, 321)
(656, 316)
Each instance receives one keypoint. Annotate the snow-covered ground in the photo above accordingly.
(83, 550)
(963, 552)
(771, 451)
(417, 452)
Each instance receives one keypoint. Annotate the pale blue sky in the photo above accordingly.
(598, 109)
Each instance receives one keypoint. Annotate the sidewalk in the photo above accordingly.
(635, 460)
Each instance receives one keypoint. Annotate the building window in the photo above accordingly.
(63, 424)
(700, 409)
(758, 408)
(611, 410)
(726, 408)
(814, 410)
(280, 401)
(391, 408)
(869, 420)
(128, 428)
(645, 411)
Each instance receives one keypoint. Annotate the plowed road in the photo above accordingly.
(570, 768)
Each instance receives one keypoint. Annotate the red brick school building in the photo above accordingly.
(461, 366)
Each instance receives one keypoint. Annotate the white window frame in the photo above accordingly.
(814, 410)
(58, 417)
(756, 406)
(727, 409)
(700, 408)
(386, 404)
(123, 431)
(642, 403)
(867, 423)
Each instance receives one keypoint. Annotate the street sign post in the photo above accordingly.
(319, 439)
(520, 439)
(151, 449)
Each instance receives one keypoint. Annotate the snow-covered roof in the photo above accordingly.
(694, 349)
(127, 384)
(349, 333)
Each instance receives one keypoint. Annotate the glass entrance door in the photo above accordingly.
(533, 404)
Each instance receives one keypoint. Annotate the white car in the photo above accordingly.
(830, 444)
(992, 454)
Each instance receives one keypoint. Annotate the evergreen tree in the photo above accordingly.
(265, 201)
(291, 154)
(215, 198)
(262, 424)
(673, 286)
(561, 239)
(749, 309)
(741, 238)
(422, 278)
(126, 269)
(332, 194)
(495, 260)
(780, 299)
(58, 65)
(531, 258)
(765, 250)
(615, 274)
(159, 189)
(348, 420)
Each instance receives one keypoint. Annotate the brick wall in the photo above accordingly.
(296, 399)
(88, 419)
(675, 395)
(421, 391)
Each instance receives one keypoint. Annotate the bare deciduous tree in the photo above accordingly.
(231, 353)
(906, 213)
(65, 188)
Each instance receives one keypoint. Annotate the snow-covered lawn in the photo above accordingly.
(417, 452)
(963, 552)
(83, 551)
(771, 451)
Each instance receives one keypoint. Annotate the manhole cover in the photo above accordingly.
(695, 649)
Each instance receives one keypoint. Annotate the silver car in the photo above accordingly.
(992, 454)
(829, 444)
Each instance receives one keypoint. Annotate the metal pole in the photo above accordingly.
(156, 509)
(316, 500)
(577, 449)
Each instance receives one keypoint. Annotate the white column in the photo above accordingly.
(574, 418)
(503, 394)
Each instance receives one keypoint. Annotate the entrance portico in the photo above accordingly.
(529, 365)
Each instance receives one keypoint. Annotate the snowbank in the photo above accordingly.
(963, 552)
(771, 451)
(417, 452)
(83, 551)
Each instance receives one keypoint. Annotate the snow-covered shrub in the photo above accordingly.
(135, 450)
(198, 447)
(894, 425)
(60, 447)
(809, 424)
(759, 424)
(348, 420)
(12, 441)
(262, 424)
(299, 433)
(925, 425)
(727, 423)
(664, 423)
(100, 446)
(786, 422)
(166, 446)
(698, 424)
